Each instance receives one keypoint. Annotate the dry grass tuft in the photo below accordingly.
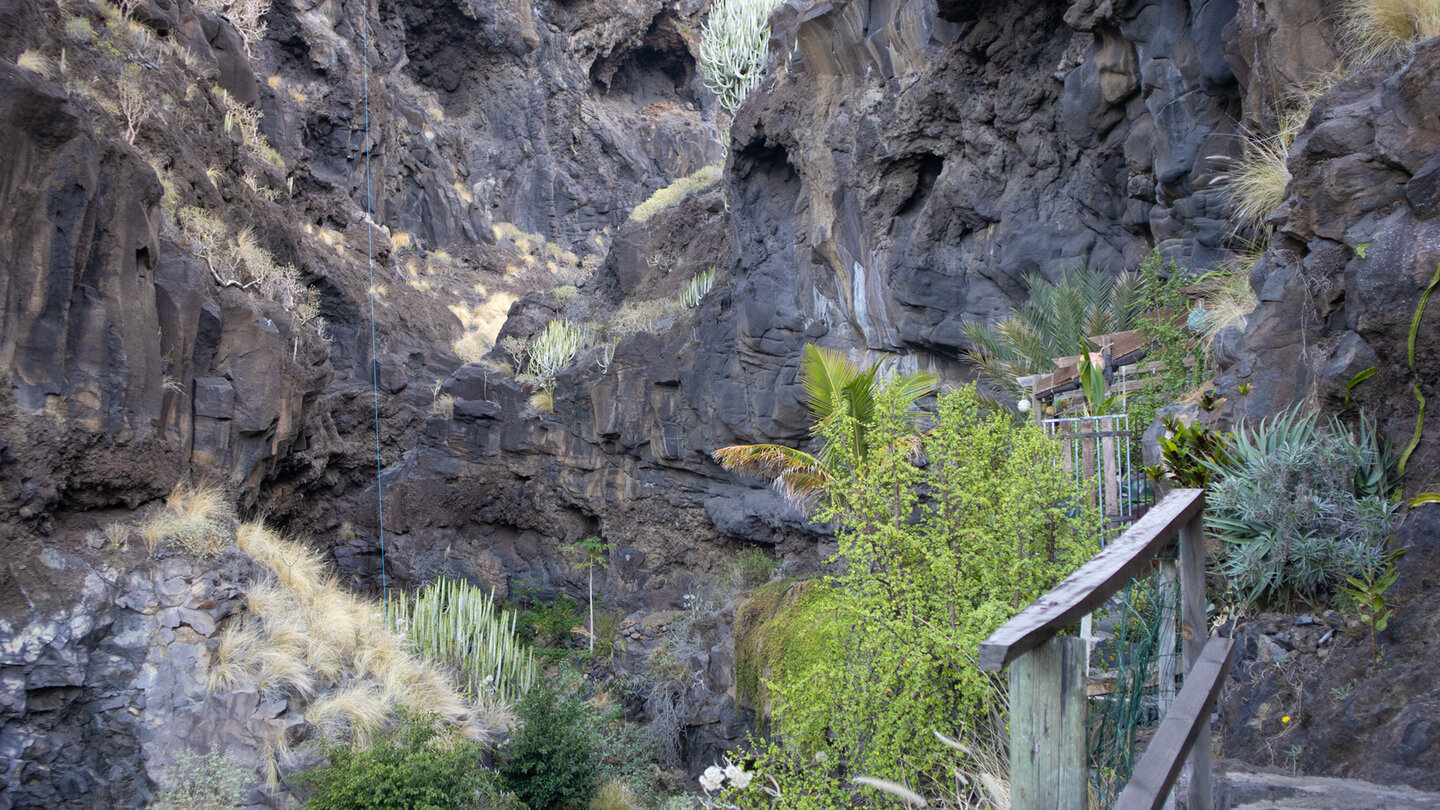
(351, 714)
(331, 653)
(676, 192)
(542, 401)
(1258, 178)
(1376, 29)
(298, 569)
(480, 324)
(196, 518)
(644, 316)
(614, 795)
(34, 62)
(1228, 300)
(235, 658)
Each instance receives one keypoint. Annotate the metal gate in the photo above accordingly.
(1103, 453)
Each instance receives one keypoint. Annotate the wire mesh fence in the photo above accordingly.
(1136, 656)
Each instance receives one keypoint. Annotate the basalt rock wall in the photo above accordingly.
(903, 166)
(899, 171)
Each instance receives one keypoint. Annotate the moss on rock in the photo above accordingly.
(783, 631)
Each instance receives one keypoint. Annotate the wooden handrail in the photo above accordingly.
(1098, 580)
(1187, 720)
(1047, 689)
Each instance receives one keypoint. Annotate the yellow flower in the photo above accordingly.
(1285, 719)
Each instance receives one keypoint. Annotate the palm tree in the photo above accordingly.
(1056, 319)
(832, 386)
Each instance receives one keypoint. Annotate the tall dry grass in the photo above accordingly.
(1376, 29)
(332, 654)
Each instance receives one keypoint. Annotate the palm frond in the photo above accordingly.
(824, 376)
(765, 460)
(1058, 318)
(803, 487)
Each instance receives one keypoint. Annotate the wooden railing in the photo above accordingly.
(1047, 677)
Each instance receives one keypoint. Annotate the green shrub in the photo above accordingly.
(782, 632)
(554, 760)
(754, 568)
(547, 624)
(935, 558)
(1300, 506)
(417, 766)
(1183, 367)
(213, 781)
(1184, 451)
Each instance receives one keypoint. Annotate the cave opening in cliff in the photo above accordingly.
(646, 75)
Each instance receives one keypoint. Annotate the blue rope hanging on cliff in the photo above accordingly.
(370, 254)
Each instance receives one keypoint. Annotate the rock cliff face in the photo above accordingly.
(901, 169)
(1340, 291)
(127, 368)
(898, 172)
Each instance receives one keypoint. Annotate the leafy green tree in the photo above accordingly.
(936, 556)
(833, 387)
(1057, 319)
(554, 760)
(594, 550)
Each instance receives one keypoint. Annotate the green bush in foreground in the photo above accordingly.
(417, 767)
(943, 537)
(554, 760)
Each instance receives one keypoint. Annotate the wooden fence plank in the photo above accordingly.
(1195, 621)
(1187, 724)
(1099, 579)
(1047, 727)
(1169, 651)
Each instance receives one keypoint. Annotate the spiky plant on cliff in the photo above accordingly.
(732, 48)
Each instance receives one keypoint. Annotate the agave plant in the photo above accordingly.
(1300, 505)
(1057, 319)
(832, 386)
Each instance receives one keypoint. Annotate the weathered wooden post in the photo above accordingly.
(1167, 650)
(1194, 620)
(1047, 688)
(1047, 727)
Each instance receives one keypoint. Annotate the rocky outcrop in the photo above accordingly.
(1353, 252)
(103, 675)
(901, 169)
(896, 174)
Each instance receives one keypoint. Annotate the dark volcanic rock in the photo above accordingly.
(1325, 312)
